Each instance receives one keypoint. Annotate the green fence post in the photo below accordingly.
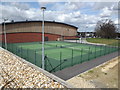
(16, 50)
(89, 54)
(12, 49)
(35, 58)
(109, 48)
(21, 51)
(112, 49)
(72, 58)
(103, 47)
(7, 46)
(100, 50)
(95, 51)
(105, 50)
(27, 54)
(46, 62)
(60, 60)
(81, 54)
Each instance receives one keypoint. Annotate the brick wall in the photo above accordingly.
(70, 37)
(31, 37)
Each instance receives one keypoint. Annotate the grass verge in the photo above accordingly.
(113, 42)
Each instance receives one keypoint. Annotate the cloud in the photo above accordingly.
(116, 21)
(60, 12)
(22, 6)
(19, 11)
(73, 5)
(107, 8)
(106, 12)
(116, 6)
(67, 6)
(101, 5)
(11, 13)
(70, 17)
(74, 17)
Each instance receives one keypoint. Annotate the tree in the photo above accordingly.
(106, 29)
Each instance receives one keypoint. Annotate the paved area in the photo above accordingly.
(83, 41)
(70, 72)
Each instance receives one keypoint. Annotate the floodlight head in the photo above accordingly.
(43, 8)
(5, 19)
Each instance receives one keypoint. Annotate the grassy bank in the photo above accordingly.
(113, 42)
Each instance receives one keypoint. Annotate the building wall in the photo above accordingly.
(31, 32)
(32, 37)
(53, 28)
(0, 33)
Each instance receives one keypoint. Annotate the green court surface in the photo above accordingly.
(58, 54)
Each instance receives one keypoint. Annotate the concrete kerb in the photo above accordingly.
(59, 80)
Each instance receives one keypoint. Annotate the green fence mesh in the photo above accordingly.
(59, 55)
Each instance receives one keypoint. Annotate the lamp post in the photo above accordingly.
(85, 32)
(43, 61)
(5, 34)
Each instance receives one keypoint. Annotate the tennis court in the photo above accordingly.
(59, 54)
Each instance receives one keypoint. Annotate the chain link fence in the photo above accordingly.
(59, 55)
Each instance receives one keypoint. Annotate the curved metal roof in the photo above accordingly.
(40, 21)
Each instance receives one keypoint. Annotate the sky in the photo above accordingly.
(83, 15)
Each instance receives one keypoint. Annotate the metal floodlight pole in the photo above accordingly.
(43, 61)
(5, 34)
(85, 32)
